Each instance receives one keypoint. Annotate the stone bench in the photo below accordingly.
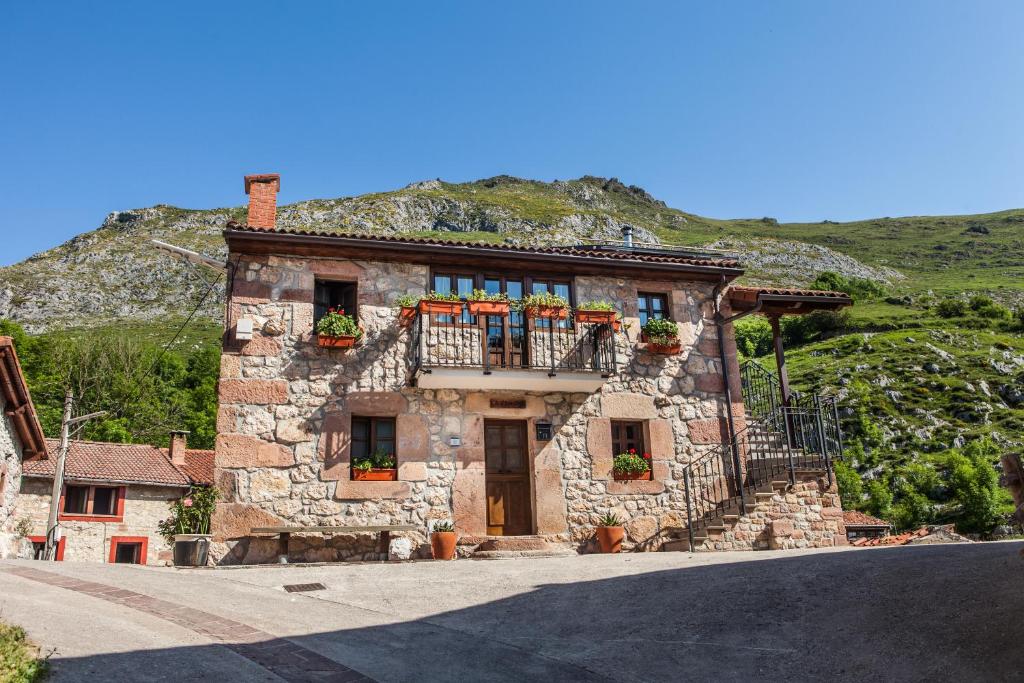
(284, 533)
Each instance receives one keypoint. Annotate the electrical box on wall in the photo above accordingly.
(243, 329)
(454, 440)
(543, 431)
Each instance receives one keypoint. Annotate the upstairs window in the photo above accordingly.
(627, 436)
(337, 295)
(373, 445)
(93, 501)
(652, 307)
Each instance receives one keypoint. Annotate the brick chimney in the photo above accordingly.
(262, 190)
(179, 442)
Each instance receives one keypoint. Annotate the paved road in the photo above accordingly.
(952, 612)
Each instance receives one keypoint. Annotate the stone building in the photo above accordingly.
(113, 497)
(21, 440)
(505, 424)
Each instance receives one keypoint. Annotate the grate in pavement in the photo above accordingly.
(304, 587)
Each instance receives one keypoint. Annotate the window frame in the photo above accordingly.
(319, 283)
(90, 515)
(620, 442)
(142, 541)
(371, 442)
(58, 556)
(666, 306)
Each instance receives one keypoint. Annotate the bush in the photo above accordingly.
(19, 662)
(851, 488)
(951, 308)
(974, 485)
(753, 336)
(857, 287)
(799, 330)
(984, 307)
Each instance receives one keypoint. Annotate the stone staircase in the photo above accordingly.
(504, 547)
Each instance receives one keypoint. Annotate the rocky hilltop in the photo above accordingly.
(113, 273)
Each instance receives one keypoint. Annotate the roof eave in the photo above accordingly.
(105, 480)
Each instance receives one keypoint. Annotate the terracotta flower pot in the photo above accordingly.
(407, 316)
(631, 476)
(554, 312)
(440, 307)
(610, 538)
(595, 317)
(664, 349)
(488, 307)
(342, 342)
(442, 545)
(375, 474)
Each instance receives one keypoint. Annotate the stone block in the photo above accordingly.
(623, 488)
(302, 319)
(712, 430)
(599, 446)
(376, 403)
(256, 391)
(292, 430)
(372, 490)
(643, 531)
(549, 502)
(235, 520)
(334, 445)
(227, 418)
(261, 346)
(660, 441)
(413, 437)
(244, 451)
(628, 406)
(400, 549)
(469, 501)
(710, 382)
(230, 366)
(412, 471)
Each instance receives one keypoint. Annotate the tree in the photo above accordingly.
(851, 489)
(974, 484)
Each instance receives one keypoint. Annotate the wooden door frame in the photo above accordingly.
(524, 424)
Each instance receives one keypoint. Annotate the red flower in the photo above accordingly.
(632, 451)
(647, 456)
(187, 502)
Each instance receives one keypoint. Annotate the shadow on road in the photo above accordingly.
(951, 612)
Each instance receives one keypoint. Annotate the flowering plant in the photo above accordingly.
(661, 332)
(190, 514)
(631, 462)
(336, 324)
(381, 460)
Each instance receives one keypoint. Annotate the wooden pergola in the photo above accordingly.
(775, 303)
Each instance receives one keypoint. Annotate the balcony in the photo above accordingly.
(512, 352)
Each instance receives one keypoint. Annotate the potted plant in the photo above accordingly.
(661, 336)
(442, 540)
(595, 313)
(188, 527)
(337, 330)
(481, 302)
(545, 305)
(407, 305)
(610, 533)
(441, 304)
(631, 466)
(377, 467)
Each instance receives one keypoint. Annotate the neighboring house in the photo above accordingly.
(113, 497)
(860, 525)
(21, 441)
(507, 424)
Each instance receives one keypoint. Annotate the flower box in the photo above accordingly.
(488, 307)
(375, 474)
(595, 317)
(552, 312)
(440, 307)
(631, 476)
(406, 316)
(664, 349)
(342, 342)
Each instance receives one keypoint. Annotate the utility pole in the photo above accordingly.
(52, 530)
(52, 538)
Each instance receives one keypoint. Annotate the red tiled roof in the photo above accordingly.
(857, 518)
(198, 466)
(17, 402)
(125, 463)
(751, 293)
(595, 252)
(901, 539)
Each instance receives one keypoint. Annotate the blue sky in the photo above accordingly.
(798, 110)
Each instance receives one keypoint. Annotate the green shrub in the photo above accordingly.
(851, 489)
(857, 287)
(753, 336)
(661, 331)
(336, 324)
(974, 486)
(19, 661)
(951, 308)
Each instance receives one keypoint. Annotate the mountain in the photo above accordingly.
(114, 274)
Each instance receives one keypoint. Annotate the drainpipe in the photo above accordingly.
(720, 322)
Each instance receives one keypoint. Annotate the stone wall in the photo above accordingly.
(10, 482)
(144, 507)
(807, 514)
(286, 406)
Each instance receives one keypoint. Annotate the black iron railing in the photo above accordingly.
(513, 342)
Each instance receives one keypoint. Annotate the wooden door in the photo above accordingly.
(509, 511)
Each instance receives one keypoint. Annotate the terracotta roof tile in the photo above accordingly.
(124, 463)
(18, 401)
(751, 293)
(856, 518)
(597, 252)
(198, 466)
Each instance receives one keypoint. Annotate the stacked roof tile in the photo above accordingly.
(125, 463)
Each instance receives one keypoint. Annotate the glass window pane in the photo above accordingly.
(385, 429)
(442, 284)
(360, 429)
(465, 285)
(656, 303)
(539, 287)
(562, 291)
(513, 458)
(492, 286)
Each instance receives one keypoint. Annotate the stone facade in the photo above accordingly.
(144, 507)
(286, 405)
(11, 543)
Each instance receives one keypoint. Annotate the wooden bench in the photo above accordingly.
(284, 533)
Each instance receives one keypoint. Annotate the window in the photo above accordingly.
(39, 546)
(340, 295)
(652, 306)
(626, 436)
(105, 503)
(562, 289)
(462, 284)
(372, 436)
(128, 549)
